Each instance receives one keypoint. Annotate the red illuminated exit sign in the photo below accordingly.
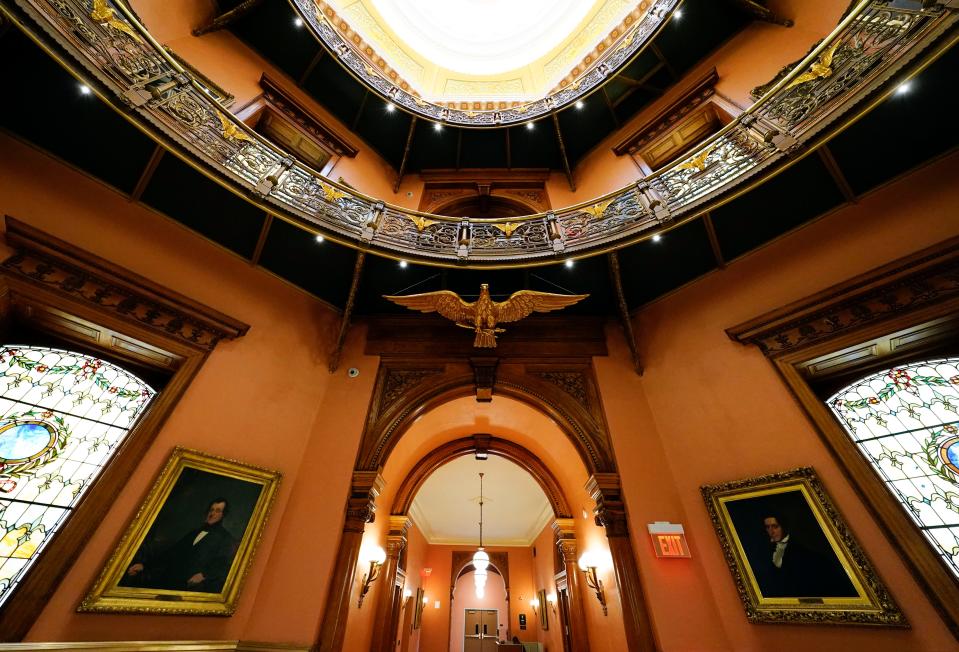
(668, 539)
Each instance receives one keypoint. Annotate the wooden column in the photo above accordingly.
(384, 627)
(360, 510)
(611, 514)
(566, 542)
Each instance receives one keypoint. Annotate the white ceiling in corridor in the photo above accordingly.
(515, 509)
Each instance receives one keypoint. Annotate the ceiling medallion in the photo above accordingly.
(605, 65)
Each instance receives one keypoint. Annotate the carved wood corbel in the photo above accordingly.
(360, 510)
(610, 513)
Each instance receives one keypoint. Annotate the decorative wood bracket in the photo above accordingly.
(484, 371)
(927, 278)
(46, 262)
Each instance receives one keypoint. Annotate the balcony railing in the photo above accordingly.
(858, 60)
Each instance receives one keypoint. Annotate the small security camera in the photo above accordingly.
(352, 372)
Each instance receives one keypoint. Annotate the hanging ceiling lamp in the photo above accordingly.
(480, 557)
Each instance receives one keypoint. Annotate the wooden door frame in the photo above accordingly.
(917, 297)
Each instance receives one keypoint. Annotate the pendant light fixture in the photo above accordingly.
(480, 557)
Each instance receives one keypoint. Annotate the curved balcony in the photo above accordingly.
(874, 48)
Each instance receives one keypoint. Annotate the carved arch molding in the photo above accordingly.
(545, 363)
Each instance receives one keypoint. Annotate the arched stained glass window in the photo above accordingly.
(905, 422)
(62, 416)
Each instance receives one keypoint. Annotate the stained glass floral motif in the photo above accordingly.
(905, 421)
(62, 416)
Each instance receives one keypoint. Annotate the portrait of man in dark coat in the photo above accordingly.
(793, 569)
(198, 561)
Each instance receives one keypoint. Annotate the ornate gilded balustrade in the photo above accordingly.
(861, 56)
(606, 66)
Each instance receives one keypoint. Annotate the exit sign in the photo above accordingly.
(668, 539)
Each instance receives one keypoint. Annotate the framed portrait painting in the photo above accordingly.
(418, 609)
(543, 609)
(191, 543)
(791, 555)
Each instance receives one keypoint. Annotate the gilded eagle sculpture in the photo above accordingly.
(484, 314)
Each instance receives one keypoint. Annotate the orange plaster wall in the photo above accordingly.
(709, 410)
(256, 399)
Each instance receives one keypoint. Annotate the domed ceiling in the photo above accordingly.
(499, 51)
(106, 139)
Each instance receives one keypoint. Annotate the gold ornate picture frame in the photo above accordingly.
(792, 556)
(190, 545)
(418, 609)
(543, 609)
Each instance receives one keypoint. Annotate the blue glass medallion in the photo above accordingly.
(20, 442)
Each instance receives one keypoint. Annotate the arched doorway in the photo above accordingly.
(566, 399)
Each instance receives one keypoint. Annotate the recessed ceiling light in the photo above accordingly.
(657, 238)
(570, 262)
(403, 264)
(84, 89)
(298, 21)
(579, 104)
(437, 126)
(904, 88)
(390, 107)
(678, 14)
(319, 238)
(529, 126)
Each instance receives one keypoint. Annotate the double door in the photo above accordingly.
(481, 630)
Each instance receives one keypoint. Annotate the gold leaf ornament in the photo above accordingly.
(230, 130)
(820, 69)
(331, 194)
(103, 14)
(698, 162)
(421, 222)
(597, 211)
(508, 228)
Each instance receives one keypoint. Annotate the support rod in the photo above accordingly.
(147, 173)
(714, 240)
(223, 20)
(562, 153)
(347, 311)
(261, 241)
(825, 155)
(406, 155)
(617, 279)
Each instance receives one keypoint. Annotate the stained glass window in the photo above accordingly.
(904, 421)
(62, 416)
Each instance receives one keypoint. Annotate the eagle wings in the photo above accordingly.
(484, 314)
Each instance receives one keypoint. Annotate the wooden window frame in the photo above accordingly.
(82, 299)
(279, 103)
(901, 311)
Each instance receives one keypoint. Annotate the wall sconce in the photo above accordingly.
(588, 563)
(534, 603)
(376, 556)
(551, 599)
(407, 594)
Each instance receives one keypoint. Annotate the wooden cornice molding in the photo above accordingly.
(698, 92)
(408, 387)
(157, 646)
(906, 286)
(43, 261)
(570, 336)
(283, 101)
